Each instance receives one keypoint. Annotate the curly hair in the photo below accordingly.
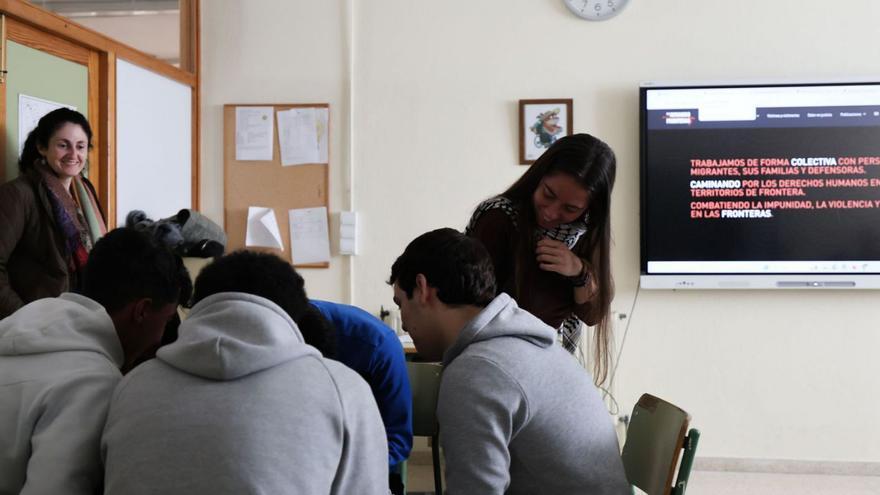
(270, 277)
(46, 127)
(126, 265)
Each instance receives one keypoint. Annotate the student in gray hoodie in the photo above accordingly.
(241, 404)
(517, 413)
(60, 359)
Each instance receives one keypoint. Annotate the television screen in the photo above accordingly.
(760, 186)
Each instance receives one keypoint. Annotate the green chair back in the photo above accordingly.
(654, 441)
(424, 380)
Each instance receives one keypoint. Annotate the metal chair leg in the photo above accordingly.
(435, 455)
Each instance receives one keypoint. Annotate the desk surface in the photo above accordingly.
(407, 343)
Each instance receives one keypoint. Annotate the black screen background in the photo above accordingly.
(791, 235)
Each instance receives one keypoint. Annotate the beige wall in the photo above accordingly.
(277, 51)
(155, 34)
(766, 374)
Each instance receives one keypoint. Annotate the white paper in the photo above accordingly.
(298, 136)
(254, 133)
(262, 228)
(309, 236)
(322, 121)
(30, 110)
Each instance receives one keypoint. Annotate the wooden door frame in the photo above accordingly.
(100, 53)
(31, 37)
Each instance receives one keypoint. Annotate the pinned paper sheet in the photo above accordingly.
(322, 127)
(309, 236)
(298, 136)
(254, 133)
(262, 229)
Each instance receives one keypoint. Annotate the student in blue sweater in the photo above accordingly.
(366, 345)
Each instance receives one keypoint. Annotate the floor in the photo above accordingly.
(729, 483)
(725, 483)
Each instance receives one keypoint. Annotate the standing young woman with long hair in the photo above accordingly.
(549, 236)
(49, 216)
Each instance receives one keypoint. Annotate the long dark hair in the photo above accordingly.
(592, 163)
(46, 127)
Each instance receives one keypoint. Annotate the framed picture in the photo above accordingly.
(541, 123)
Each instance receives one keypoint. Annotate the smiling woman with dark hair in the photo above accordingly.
(549, 238)
(50, 213)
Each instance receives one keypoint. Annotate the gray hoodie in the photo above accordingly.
(519, 415)
(240, 404)
(59, 362)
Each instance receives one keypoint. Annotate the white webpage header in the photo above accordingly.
(743, 101)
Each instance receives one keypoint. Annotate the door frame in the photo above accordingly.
(27, 35)
(28, 24)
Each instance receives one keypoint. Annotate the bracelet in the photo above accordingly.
(582, 278)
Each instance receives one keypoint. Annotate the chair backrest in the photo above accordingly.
(424, 380)
(654, 441)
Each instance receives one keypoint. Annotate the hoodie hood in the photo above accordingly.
(231, 334)
(70, 322)
(501, 318)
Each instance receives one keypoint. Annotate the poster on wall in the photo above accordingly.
(30, 110)
(541, 123)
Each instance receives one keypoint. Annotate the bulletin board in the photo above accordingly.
(268, 184)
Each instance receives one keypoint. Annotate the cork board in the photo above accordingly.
(268, 184)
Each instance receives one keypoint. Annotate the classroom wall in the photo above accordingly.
(766, 374)
(156, 34)
(277, 51)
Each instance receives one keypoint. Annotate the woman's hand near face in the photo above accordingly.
(554, 256)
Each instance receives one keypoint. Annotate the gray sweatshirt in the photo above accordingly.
(59, 362)
(519, 415)
(240, 404)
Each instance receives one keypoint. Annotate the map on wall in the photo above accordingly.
(30, 110)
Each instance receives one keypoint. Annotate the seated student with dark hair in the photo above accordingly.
(240, 403)
(60, 359)
(368, 346)
(351, 336)
(517, 413)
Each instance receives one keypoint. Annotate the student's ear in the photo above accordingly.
(423, 292)
(139, 309)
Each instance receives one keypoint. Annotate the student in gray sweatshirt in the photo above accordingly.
(517, 413)
(241, 404)
(60, 359)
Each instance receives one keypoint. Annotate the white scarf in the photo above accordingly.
(569, 233)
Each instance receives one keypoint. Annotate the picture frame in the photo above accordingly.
(541, 123)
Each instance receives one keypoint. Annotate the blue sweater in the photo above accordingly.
(373, 350)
